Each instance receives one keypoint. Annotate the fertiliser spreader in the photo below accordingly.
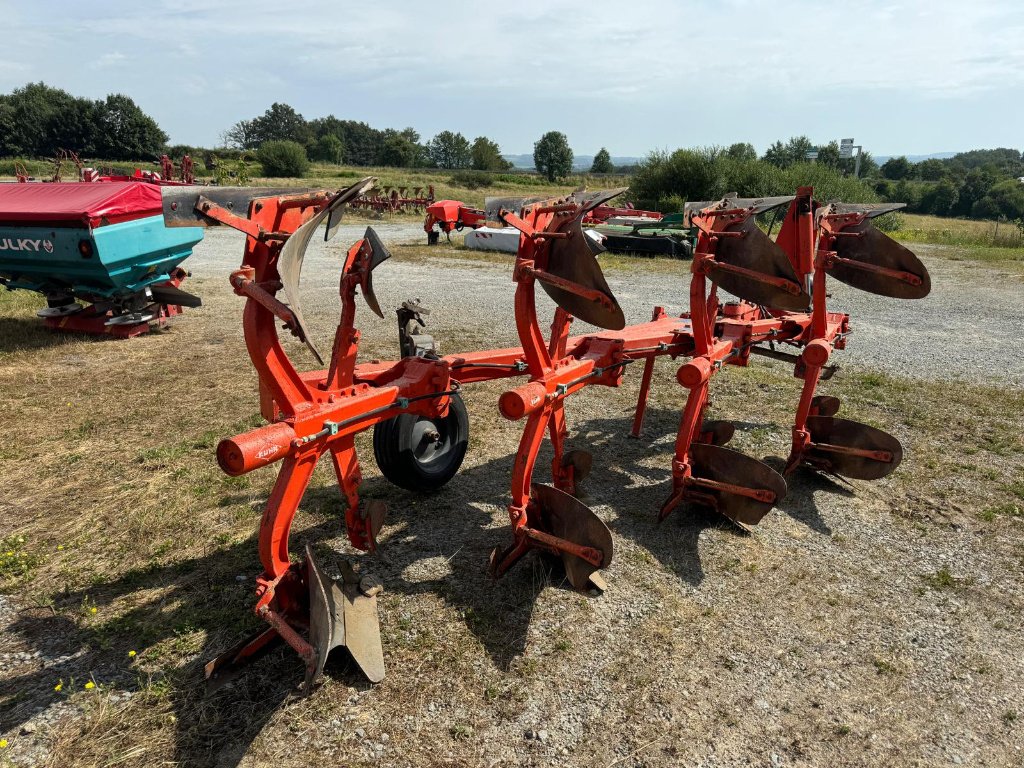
(415, 405)
(104, 244)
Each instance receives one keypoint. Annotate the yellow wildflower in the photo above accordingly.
(3, 743)
(92, 610)
(59, 686)
(131, 654)
(60, 546)
(90, 685)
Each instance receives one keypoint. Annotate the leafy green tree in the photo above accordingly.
(742, 151)
(931, 169)
(283, 159)
(485, 155)
(449, 150)
(552, 155)
(776, 155)
(828, 155)
(602, 162)
(793, 151)
(973, 188)
(897, 168)
(240, 135)
(281, 123)
(124, 131)
(797, 148)
(944, 198)
(1003, 200)
(37, 120)
(398, 152)
(328, 149)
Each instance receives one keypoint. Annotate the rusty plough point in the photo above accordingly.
(420, 424)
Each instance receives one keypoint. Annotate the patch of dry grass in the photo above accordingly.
(110, 480)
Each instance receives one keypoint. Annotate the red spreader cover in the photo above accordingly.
(78, 204)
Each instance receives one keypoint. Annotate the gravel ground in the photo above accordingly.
(966, 328)
(869, 624)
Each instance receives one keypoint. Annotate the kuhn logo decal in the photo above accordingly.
(25, 244)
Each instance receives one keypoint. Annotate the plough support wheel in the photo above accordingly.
(342, 614)
(756, 252)
(851, 449)
(568, 518)
(731, 468)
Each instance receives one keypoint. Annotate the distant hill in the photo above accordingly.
(917, 158)
(580, 162)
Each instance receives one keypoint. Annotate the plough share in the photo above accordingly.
(415, 407)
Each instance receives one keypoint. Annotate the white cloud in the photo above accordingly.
(700, 68)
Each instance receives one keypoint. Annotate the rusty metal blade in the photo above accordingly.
(326, 621)
(493, 206)
(759, 205)
(581, 462)
(345, 196)
(289, 267)
(851, 434)
(757, 252)
(825, 405)
(874, 247)
(717, 431)
(362, 632)
(871, 209)
(574, 259)
(590, 200)
(568, 518)
(293, 254)
(341, 615)
(725, 465)
(179, 203)
(378, 255)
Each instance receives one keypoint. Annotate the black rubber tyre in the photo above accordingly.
(409, 457)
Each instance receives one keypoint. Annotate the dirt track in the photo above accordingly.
(966, 328)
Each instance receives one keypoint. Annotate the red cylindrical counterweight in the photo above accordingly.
(816, 353)
(258, 448)
(522, 401)
(694, 373)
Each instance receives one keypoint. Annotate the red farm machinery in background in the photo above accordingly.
(450, 216)
(779, 303)
(395, 200)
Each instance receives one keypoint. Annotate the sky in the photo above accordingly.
(899, 77)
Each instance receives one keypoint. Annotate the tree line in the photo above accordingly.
(330, 139)
(37, 121)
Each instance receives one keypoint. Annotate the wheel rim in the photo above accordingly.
(431, 442)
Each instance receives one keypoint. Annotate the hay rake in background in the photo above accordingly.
(396, 200)
(415, 407)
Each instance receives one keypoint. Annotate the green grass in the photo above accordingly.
(938, 230)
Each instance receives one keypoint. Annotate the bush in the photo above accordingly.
(521, 179)
(283, 158)
(709, 174)
(471, 179)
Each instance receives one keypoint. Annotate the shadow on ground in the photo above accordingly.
(204, 593)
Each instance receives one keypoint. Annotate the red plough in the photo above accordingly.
(415, 406)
